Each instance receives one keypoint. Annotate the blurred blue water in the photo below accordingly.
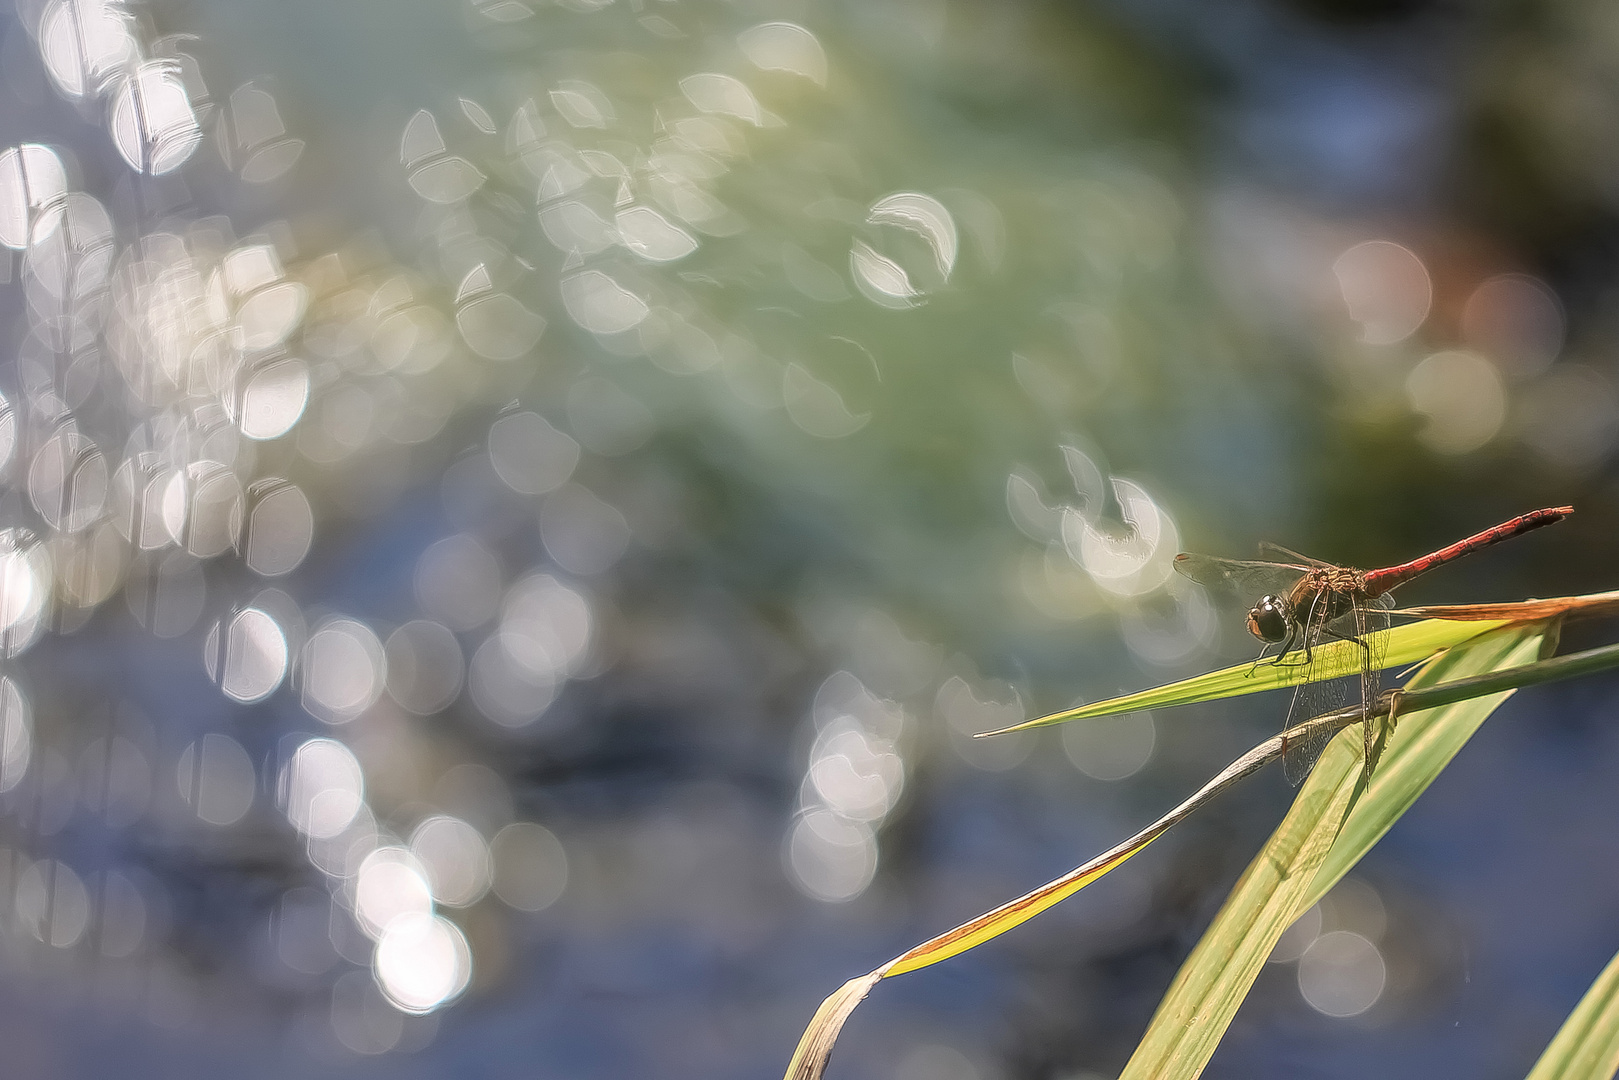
(900, 347)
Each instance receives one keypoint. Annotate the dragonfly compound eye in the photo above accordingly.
(1268, 620)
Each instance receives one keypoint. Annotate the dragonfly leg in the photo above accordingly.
(1365, 705)
(1365, 648)
(1281, 654)
(1330, 632)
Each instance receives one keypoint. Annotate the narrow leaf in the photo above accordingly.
(1211, 984)
(1332, 823)
(815, 1047)
(1586, 1047)
(1425, 742)
(809, 1059)
(1405, 645)
(1587, 606)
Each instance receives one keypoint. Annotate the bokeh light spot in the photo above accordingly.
(216, 779)
(455, 857)
(166, 593)
(16, 734)
(817, 407)
(1570, 416)
(1111, 748)
(254, 657)
(582, 104)
(530, 866)
(321, 788)
(495, 325)
(202, 508)
(723, 95)
(435, 174)
(52, 903)
(830, 857)
(458, 581)
(25, 588)
(32, 180)
(1385, 289)
(274, 398)
(1297, 937)
(391, 883)
(68, 481)
(122, 914)
(529, 455)
(362, 1018)
(1342, 974)
(601, 305)
(422, 962)
(81, 41)
(784, 46)
(1517, 321)
(302, 930)
(425, 666)
(1461, 398)
(652, 236)
(280, 527)
(152, 121)
(858, 776)
(343, 670)
(581, 532)
(911, 253)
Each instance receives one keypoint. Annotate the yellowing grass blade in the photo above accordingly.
(1570, 607)
(1406, 645)
(1586, 1047)
(815, 1046)
(1332, 823)
(809, 1060)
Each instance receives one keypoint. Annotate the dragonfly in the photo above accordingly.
(1305, 603)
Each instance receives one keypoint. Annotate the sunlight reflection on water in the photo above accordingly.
(682, 385)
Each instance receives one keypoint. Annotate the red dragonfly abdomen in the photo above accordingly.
(1379, 582)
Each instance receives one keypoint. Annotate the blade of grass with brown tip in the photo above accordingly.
(1404, 645)
(815, 1046)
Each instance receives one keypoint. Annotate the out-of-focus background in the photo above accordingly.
(512, 510)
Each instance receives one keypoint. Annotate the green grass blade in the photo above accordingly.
(1331, 824)
(1425, 742)
(1405, 645)
(1196, 1011)
(1587, 1045)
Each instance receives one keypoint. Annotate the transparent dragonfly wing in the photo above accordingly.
(1336, 675)
(1328, 688)
(1241, 580)
(1290, 555)
(1370, 617)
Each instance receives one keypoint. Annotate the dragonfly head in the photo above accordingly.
(1268, 619)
